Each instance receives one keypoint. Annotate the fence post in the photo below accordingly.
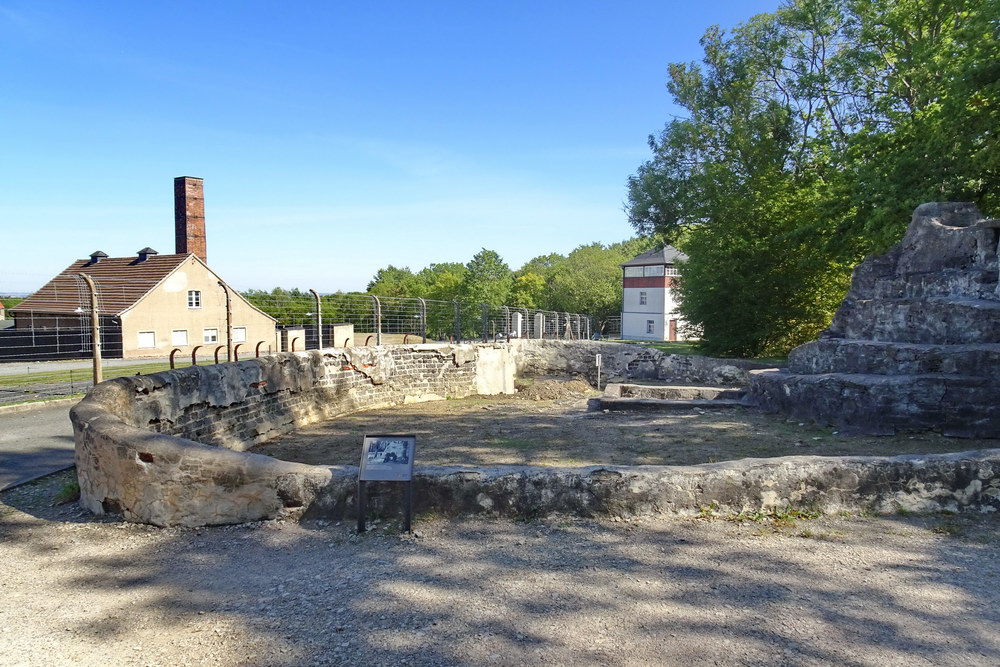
(458, 322)
(319, 320)
(229, 325)
(423, 319)
(486, 322)
(95, 328)
(377, 313)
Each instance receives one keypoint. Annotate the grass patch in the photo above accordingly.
(948, 527)
(70, 492)
(84, 374)
(514, 443)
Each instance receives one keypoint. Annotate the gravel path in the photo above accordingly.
(849, 590)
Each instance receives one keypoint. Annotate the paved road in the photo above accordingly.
(34, 442)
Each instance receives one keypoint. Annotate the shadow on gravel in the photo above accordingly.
(858, 592)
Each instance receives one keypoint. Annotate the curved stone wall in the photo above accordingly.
(167, 448)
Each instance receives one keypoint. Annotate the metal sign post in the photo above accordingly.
(598, 362)
(387, 458)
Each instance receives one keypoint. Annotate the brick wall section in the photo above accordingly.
(237, 406)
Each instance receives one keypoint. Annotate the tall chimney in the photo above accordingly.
(189, 217)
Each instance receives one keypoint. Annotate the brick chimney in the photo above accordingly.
(189, 217)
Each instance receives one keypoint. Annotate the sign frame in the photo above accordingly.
(387, 457)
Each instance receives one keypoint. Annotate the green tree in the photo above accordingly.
(393, 281)
(811, 134)
(487, 279)
(528, 290)
(442, 282)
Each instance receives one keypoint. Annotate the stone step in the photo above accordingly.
(662, 404)
(947, 321)
(838, 355)
(672, 392)
(969, 283)
(957, 405)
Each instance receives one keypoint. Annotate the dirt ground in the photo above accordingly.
(844, 590)
(548, 423)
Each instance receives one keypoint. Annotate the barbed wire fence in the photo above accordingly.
(389, 320)
(47, 349)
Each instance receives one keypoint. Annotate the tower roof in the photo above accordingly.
(665, 255)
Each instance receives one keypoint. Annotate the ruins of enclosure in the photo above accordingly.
(915, 345)
(916, 342)
(168, 448)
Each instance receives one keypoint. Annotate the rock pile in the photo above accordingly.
(915, 344)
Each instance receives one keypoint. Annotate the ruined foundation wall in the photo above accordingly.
(165, 449)
(620, 362)
(915, 344)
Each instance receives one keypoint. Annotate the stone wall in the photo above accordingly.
(154, 447)
(167, 448)
(621, 362)
(915, 343)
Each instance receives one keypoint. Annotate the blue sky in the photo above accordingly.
(333, 138)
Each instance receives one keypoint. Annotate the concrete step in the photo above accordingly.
(948, 321)
(958, 405)
(869, 357)
(671, 392)
(668, 397)
(975, 283)
(654, 404)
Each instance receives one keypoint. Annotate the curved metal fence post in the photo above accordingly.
(257, 349)
(236, 352)
(172, 353)
(377, 305)
(229, 325)
(221, 347)
(423, 319)
(319, 320)
(95, 329)
(194, 355)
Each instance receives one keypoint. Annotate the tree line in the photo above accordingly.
(587, 280)
(809, 136)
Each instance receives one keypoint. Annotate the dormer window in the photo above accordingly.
(194, 298)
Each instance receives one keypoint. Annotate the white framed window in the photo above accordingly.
(672, 271)
(179, 337)
(210, 335)
(642, 298)
(653, 270)
(147, 339)
(650, 326)
(633, 272)
(194, 298)
(239, 334)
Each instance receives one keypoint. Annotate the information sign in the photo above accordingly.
(387, 458)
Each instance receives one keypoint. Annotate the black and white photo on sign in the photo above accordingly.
(389, 452)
